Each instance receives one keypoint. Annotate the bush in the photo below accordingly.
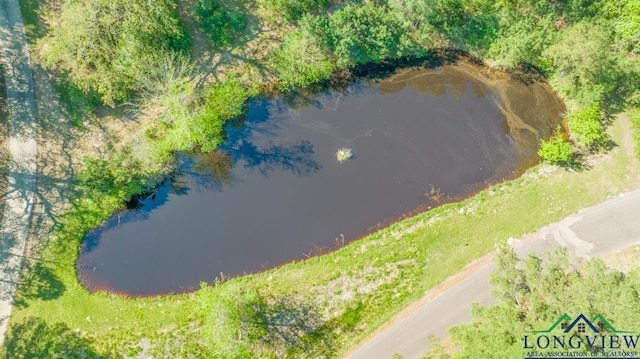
(105, 45)
(464, 25)
(586, 67)
(557, 150)
(117, 178)
(221, 23)
(626, 23)
(586, 126)
(203, 126)
(367, 34)
(522, 41)
(299, 61)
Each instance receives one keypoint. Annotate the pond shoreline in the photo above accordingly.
(489, 85)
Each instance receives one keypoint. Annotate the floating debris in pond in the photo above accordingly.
(344, 154)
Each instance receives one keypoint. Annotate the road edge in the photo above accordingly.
(21, 182)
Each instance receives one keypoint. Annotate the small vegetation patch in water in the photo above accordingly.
(344, 154)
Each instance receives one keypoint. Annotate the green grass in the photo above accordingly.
(360, 286)
(634, 116)
(30, 17)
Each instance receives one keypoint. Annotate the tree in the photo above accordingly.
(535, 292)
(465, 25)
(522, 39)
(586, 67)
(221, 22)
(104, 45)
(367, 33)
(626, 19)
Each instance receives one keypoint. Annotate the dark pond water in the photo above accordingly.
(276, 193)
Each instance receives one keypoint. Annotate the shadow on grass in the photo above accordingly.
(575, 165)
(39, 282)
(295, 325)
(36, 339)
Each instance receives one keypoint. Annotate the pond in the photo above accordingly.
(275, 192)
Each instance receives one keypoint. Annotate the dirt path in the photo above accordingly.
(22, 148)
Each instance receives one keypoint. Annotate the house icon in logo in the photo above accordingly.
(581, 324)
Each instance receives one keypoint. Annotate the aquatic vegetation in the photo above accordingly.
(344, 154)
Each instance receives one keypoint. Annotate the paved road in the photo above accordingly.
(22, 149)
(593, 232)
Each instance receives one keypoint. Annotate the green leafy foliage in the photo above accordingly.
(626, 19)
(77, 104)
(563, 11)
(367, 33)
(585, 65)
(522, 39)
(465, 25)
(117, 177)
(291, 10)
(220, 21)
(557, 150)
(203, 126)
(586, 125)
(411, 15)
(533, 296)
(104, 45)
(300, 61)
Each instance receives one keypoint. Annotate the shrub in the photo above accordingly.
(203, 126)
(105, 45)
(523, 41)
(557, 150)
(367, 34)
(299, 61)
(586, 67)
(221, 23)
(586, 126)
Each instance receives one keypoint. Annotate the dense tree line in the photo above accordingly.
(588, 48)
